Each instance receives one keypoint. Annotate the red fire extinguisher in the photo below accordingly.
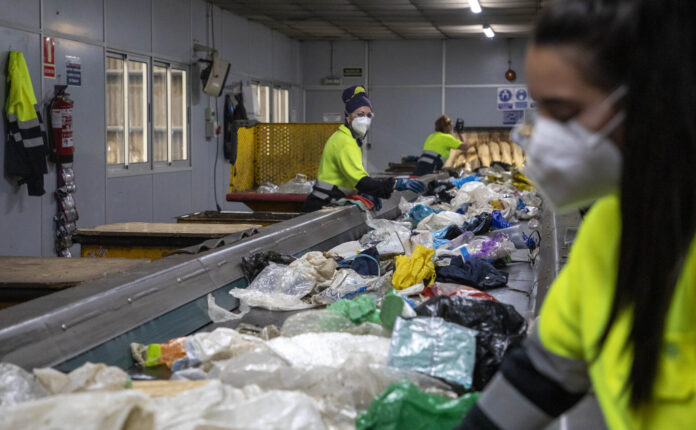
(61, 119)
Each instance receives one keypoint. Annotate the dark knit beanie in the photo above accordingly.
(355, 97)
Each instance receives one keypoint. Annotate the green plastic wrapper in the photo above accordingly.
(404, 406)
(359, 310)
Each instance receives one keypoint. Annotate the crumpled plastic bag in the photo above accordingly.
(392, 237)
(325, 320)
(277, 287)
(479, 224)
(267, 188)
(405, 206)
(414, 269)
(297, 185)
(435, 347)
(404, 406)
(252, 266)
(217, 314)
(88, 377)
(346, 284)
(475, 272)
(280, 287)
(418, 213)
(491, 248)
(440, 220)
(346, 249)
(446, 289)
(218, 406)
(122, 410)
(329, 349)
(339, 391)
(500, 328)
(17, 385)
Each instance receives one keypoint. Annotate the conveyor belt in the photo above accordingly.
(167, 298)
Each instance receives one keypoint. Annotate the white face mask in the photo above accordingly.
(571, 165)
(361, 124)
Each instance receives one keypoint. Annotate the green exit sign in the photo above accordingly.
(331, 80)
(352, 72)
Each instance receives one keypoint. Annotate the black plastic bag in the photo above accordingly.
(480, 224)
(453, 232)
(252, 266)
(475, 272)
(500, 328)
(439, 189)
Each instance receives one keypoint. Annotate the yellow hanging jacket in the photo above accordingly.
(25, 157)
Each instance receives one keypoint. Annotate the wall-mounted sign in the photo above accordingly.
(73, 70)
(352, 72)
(49, 58)
(514, 98)
(512, 117)
(332, 117)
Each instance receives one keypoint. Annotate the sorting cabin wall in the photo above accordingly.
(162, 29)
(410, 83)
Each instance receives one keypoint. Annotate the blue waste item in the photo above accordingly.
(474, 272)
(439, 238)
(365, 264)
(435, 347)
(458, 182)
(440, 242)
(463, 209)
(499, 221)
(418, 213)
(520, 204)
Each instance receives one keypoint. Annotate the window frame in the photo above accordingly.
(169, 164)
(126, 168)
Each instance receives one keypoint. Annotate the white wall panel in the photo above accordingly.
(171, 28)
(129, 24)
(316, 61)
(21, 12)
(76, 17)
(477, 106)
(129, 199)
(473, 61)
(234, 42)
(405, 62)
(404, 118)
(21, 226)
(323, 101)
(260, 51)
(171, 196)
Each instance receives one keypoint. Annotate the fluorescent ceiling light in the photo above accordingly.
(475, 6)
(488, 31)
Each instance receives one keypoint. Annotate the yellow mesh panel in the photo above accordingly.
(283, 150)
(243, 178)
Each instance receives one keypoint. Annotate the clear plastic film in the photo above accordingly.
(435, 347)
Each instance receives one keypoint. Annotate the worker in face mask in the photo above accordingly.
(341, 172)
(437, 147)
(613, 82)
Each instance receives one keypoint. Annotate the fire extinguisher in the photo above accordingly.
(61, 119)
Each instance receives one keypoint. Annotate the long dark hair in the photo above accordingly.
(649, 45)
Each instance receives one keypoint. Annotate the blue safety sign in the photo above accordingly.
(521, 94)
(504, 95)
(513, 117)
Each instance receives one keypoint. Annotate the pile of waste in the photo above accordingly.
(399, 329)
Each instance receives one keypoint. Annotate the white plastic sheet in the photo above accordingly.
(17, 385)
(277, 287)
(88, 377)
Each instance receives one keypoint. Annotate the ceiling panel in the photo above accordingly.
(386, 19)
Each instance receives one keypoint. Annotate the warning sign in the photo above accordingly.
(49, 58)
(513, 117)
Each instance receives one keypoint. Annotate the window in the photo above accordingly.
(169, 109)
(133, 136)
(261, 104)
(281, 105)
